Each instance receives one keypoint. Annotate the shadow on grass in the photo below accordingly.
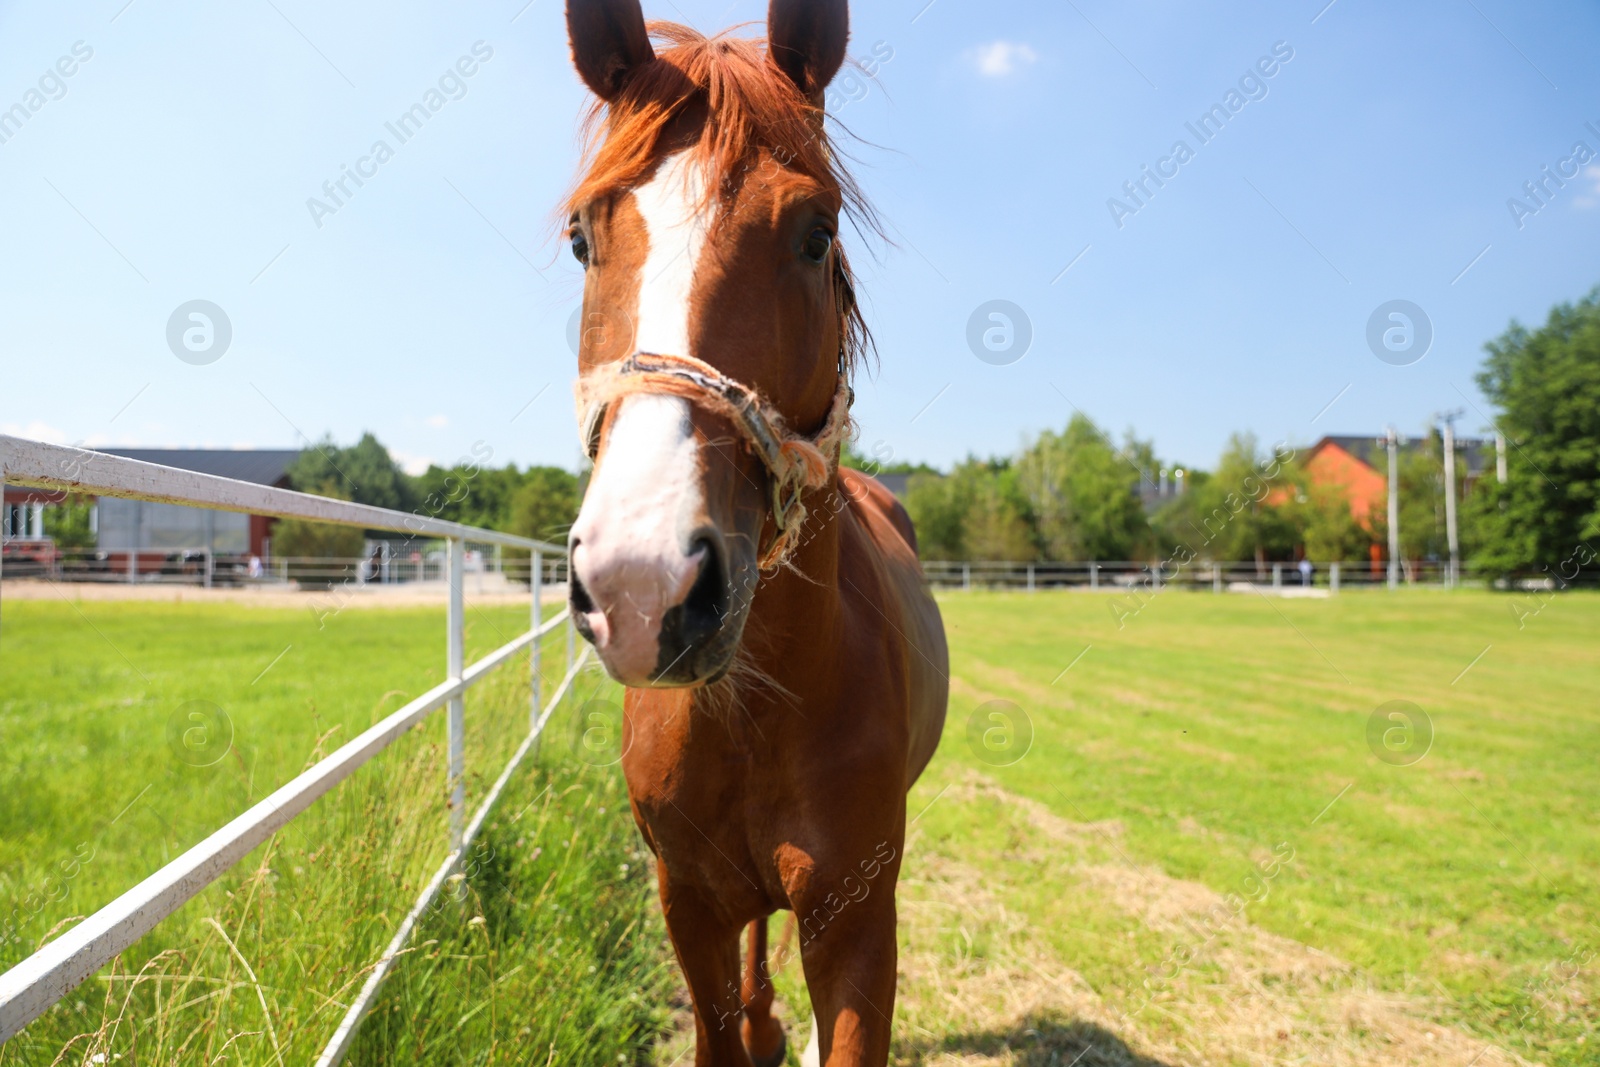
(1045, 1040)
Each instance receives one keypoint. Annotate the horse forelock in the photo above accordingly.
(743, 104)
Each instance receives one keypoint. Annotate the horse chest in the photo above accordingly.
(705, 802)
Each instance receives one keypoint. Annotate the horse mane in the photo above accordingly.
(749, 104)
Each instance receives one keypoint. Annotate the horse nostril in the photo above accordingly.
(708, 597)
(689, 625)
(579, 603)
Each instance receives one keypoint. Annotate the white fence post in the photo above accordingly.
(535, 583)
(966, 577)
(456, 656)
(1333, 578)
(1030, 577)
(1277, 576)
(1094, 576)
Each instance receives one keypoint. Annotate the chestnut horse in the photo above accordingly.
(786, 669)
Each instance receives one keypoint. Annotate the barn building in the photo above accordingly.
(1358, 467)
(138, 525)
(151, 530)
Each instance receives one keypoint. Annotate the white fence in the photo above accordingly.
(425, 561)
(32, 986)
(1217, 576)
(1231, 576)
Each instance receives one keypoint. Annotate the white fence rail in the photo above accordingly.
(425, 562)
(32, 986)
(1216, 576)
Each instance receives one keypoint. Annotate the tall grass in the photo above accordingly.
(549, 941)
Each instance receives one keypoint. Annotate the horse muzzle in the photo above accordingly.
(657, 622)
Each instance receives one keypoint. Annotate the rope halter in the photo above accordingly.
(795, 463)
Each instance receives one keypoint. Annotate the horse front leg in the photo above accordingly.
(708, 952)
(763, 1035)
(849, 961)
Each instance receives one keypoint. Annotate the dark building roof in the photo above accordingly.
(1476, 453)
(266, 466)
(895, 483)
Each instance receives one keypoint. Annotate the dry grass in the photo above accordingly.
(984, 979)
(997, 993)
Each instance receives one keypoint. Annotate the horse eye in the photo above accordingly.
(580, 247)
(817, 245)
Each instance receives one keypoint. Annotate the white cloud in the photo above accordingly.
(1589, 197)
(412, 465)
(438, 422)
(35, 431)
(999, 59)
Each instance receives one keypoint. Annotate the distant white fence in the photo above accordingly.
(32, 986)
(1218, 577)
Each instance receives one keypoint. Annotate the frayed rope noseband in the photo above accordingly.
(794, 462)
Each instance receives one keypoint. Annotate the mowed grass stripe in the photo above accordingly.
(1210, 730)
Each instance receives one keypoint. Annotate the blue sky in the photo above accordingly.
(175, 164)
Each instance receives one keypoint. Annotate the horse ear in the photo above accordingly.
(609, 43)
(807, 39)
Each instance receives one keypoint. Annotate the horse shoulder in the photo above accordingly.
(889, 542)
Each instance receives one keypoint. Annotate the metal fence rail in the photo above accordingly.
(204, 567)
(32, 986)
(1221, 576)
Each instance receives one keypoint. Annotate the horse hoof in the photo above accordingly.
(776, 1059)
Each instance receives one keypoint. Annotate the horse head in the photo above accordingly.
(719, 324)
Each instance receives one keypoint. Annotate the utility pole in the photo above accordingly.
(1392, 440)
(1453, 576)
(1500, 457)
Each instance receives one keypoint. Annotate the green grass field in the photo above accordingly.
(1208, 735)
(1179, 847)
(101, 789)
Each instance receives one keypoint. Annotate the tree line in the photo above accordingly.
(1075, 494)
(540, 502)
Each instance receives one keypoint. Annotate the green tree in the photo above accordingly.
(1082, 492)
(977, 511)
(1329, 533)
(322, 552)
(1546, 383)
(938, 511)
(468, 493)
(1239, 512)
(881, 461)
(364, 472)
(544, 507)
(998, 525)
(67, 523)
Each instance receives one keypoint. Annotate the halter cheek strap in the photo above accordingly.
(795, 463)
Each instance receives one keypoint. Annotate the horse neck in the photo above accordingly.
(789, 605)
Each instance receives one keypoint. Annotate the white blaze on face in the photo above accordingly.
(677, 233)
(633, 532)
